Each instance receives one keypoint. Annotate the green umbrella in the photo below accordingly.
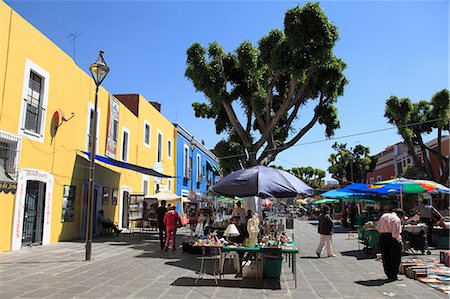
(325, 200)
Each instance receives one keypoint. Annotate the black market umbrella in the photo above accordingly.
(261, 181)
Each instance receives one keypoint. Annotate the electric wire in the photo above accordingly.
(336, 138)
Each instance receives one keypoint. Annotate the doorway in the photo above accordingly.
(33, 217)
(125, 205)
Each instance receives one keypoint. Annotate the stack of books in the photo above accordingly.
(429, 271)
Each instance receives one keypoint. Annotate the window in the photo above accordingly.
(159, 144)
(125, 143)
(186, 161)
(169, 184)
(90, 122)
(115, 132)
(169, 148)
(145, 184)
(147, 133)
(35, 98)
(9, 149)
(378, 178)
(372, 180)
(198, 168)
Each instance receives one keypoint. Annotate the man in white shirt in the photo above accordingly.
(390, 228)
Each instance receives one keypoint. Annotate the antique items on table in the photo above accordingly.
(369, 237)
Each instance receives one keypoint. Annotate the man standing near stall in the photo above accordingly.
(390, 228)
(161, 212)
(428, 215)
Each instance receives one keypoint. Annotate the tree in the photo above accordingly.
(351, 165)
(311, 176)
(413, 120)
(270, 83)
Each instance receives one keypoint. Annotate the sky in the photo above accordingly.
(390, 47)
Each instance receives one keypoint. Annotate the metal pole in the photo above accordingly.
(90, 199)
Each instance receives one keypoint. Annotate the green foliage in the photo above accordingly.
(413, 172)
(271, 82)
(311, 176)
(347, 162)
(413, 120)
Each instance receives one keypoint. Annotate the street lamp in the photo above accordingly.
(99, 70)
(192, 147)
(191, 164)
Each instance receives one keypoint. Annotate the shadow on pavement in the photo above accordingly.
(310, 257)
(359, 254)
(372, 282)
(270, 284)
(337, 228)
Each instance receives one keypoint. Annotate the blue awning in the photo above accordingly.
(126, 165)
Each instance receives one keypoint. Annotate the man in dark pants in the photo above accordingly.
(161, 212)
(352, 215)
(428, 214)
(390, 228)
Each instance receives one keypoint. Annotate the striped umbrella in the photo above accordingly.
(409, 186)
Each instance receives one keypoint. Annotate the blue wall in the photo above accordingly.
(209, 177)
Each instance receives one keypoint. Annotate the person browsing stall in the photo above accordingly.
(239, 212)
(390, 227)
(171, 221)
(160, 213)
(428, 215)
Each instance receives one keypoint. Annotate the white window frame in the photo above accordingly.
(124, 129)
(372, 180)
(91, 107)
(18, 141)
(198, 167)
(149, 144)
(30, 66)
(378, 178)
(145, 178)
(169, 184)
(169, 148)
(186, 171)
(157, 145)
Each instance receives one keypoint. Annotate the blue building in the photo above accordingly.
(197, 167)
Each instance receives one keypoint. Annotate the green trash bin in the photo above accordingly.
(272, 266)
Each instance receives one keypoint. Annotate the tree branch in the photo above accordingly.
(270, 96)
(284, 108)
(230, 111)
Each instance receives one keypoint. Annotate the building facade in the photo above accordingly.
(197, 167)
(46, 112)
(395, 158)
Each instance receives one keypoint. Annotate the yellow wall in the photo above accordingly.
(70, 90)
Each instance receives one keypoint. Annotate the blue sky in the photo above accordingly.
(391, 48)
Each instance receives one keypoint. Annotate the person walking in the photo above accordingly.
(171, 221)
(390, 228)
(160, 213)
(352, 215)
(325, 230)
(428, 215)
(344, 216)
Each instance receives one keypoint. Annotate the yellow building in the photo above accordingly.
(46, 108)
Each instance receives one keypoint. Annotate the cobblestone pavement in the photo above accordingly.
(133, 266)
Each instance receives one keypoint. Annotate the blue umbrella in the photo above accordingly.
(261, 181)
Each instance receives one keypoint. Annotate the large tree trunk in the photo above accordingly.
(426, 161)
(413, 154)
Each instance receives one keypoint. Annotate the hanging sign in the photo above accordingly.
(113, 128)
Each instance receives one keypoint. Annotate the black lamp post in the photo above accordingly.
(99, 70)
(192, 147)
